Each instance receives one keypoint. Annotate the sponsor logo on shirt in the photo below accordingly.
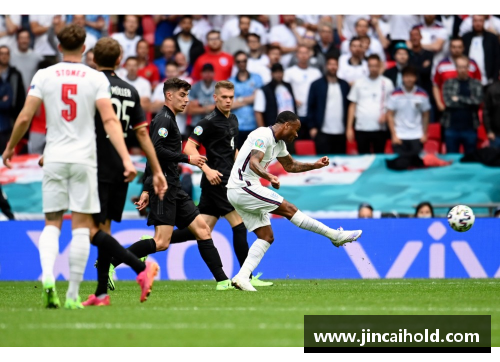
(198, 130)
(32, 86)
(259, 143)
(163, 132)
(223, 61)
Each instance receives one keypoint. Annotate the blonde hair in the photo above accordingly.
(224, 84)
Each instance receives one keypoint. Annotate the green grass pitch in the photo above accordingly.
(192, 313)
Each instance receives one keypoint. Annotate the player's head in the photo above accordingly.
(424, 210)
(107, 53)
(132, 67)
(288, 124)
(176, 93)
(72, 39)
(224, 95)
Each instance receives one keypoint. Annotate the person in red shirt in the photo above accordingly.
(146, 69)
(222, 62)
(446, 70)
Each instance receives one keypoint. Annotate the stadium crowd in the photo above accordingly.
(360, 83)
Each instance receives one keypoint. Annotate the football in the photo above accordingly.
(461, 218)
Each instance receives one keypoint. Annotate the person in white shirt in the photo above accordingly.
(74, 91)
(129, 38)
(491, 24)
(361, 29)
(141, 84)
(90, 39)
(9, 25)
(231, 28)
(287, 36)
(40, 25)
(400, 26)
(346, 25)
(408, 115)
(300, 77)
(254, 202)
(256, 54)
(353, 67)
(238, 42)
(369, 105)
(24, 58)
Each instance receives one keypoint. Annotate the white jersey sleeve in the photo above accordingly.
(103, 87)
(36, 87)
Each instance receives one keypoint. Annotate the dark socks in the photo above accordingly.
(139, 249)
(240, 243)
(211, 257)
(181, 235)
(103, 262)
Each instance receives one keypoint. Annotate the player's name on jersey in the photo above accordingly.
(123, 92)
(70, 73)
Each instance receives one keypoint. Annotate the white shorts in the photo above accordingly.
(253, 204)
(70, 186)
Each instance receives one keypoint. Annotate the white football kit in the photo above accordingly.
(251, 200)
(69, 92)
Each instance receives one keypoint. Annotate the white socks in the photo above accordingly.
(48, 246)
(305, 222)
(78, 255)
(255, 255)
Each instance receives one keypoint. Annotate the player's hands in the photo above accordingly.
(491, 136)
(275, 182)
(143, 201)
(322, 162)
(160, 185)
(7, 156)
(40, 162)
(213, 176)
(382, 119)
(313, 132)
(423, 139)
(441, 106)
(350, 134)
(197, 160)
(396, 140)
(130, 171)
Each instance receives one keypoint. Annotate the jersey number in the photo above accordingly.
(232, 143)
(121, 113)
(67, 89)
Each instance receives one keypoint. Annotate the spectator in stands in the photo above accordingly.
(13, 94)
(361, 30)
(326, 45)
(201, 26)
(399, 27)
(256, 54)
(346, 25)
(222, 62)
(402, 56)
(301, 76)
(40, 25)
(201, 96)
(369, 101)
(492, 24)
(89, 59)
(316, 60)
(452, 24)
(274, 54)
(327, 110)
(491, 114)
(462, 97)
(245, 87)
(380, 30)
(446, 69)
(483, 47)
(129, 38)
(24, 58)
(183, 65)
(147, 70)
(408, 115)
(273, 98)
(239, 42)
(187, 43)
(90, 39)
(365, 211)
(424, 210)
(165, 26)
(353, 66)
(9, 25)
(287, 36)
(97, 25)
(422, 59)
(141, 84)
(434, 37)
(168, 50)
(38, 126)
(231, 28)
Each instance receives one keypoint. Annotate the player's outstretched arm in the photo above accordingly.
(21, 127)
(255, 160)
(294, 166)
(114, 130)
(213, 176)
(159, 181)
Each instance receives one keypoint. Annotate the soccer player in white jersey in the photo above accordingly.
(254, 202)
(71, 92)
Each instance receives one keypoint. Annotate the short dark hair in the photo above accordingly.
(353, 39)
(6, 47)
(175, 84)
(373, 57)
(22, 30)
(287, 116)
(422, 204)
(186, 17)
(254, 35)
(331, 55)
(245, 16)
(410, 70)
(171, 62)
(72, 37)
(106, 52)
(456, 38)
(239, 52)
(131, 58)
(365, 204)
(213, 32)
(273, 47)
(142, 40)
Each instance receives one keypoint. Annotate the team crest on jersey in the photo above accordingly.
(198, 130)
(163, 132)
(259, 143)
